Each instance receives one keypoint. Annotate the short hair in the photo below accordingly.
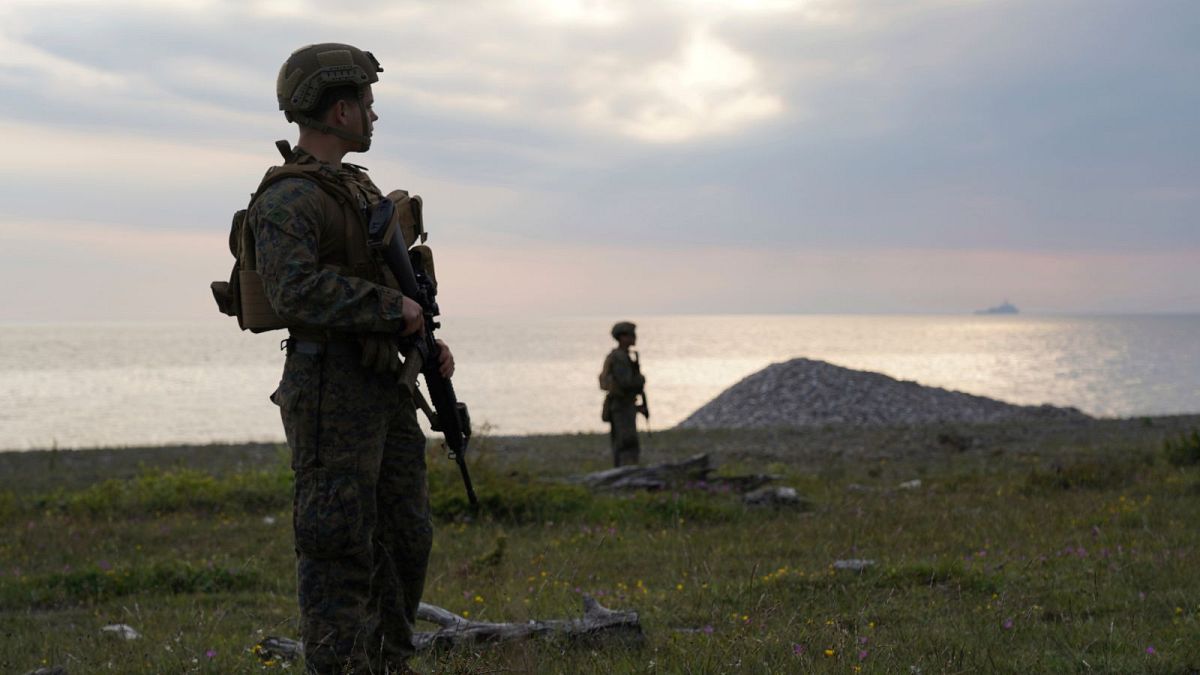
(349, 93)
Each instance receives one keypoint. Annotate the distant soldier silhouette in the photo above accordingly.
(622, 378)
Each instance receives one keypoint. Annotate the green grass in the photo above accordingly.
(1184, 450)
(1068, 549)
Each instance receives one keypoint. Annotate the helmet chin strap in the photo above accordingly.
(363, 140)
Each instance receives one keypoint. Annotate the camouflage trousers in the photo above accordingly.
(360, 512)
(623, 432)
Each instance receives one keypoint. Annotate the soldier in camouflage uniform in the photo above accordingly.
(361, 504)
(622, 378)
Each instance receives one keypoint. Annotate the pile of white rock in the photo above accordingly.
(807, 393)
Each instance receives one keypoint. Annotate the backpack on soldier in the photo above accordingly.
(243, 295)
(606, 377)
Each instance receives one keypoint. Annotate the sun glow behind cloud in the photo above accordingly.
(706, 88)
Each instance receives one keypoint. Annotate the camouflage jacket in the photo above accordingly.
(303, 253)
(625, 376)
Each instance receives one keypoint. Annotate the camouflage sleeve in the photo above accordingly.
(625, 376)
(286, 221)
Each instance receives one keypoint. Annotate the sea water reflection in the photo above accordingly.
(89, 385)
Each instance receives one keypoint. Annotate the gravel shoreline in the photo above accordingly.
(806, 393)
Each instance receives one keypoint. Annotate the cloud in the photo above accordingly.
(707, 89)
(943, 128)
(24, 66)
(124, 178)
(591, 13)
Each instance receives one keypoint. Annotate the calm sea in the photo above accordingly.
(123, 384)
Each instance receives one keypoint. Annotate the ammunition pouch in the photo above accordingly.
(243, 295)
(406, 222)
(257, 314)
(407, 217)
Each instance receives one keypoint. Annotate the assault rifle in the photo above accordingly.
(644, 406)
(422, 352)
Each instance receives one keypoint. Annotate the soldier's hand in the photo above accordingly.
(446, 361)
(414, 317)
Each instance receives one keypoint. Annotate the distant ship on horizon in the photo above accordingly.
(1005, 307)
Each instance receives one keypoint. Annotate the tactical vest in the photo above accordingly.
(349, 196)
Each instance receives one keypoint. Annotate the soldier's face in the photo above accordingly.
(368, 100)
(354, 115)
(349, 114)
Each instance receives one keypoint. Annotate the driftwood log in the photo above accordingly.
(693, 472)
(776, 497)
(598, 623)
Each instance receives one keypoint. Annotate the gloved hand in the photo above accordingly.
(380, 352)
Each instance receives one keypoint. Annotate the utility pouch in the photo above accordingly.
(406, 221)
(228, 293)
(243, 295)
(407, 216)
(422, 256)
(224, 296)
(257, 314)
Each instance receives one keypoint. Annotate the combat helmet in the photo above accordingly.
(623, 328)
(311, 70)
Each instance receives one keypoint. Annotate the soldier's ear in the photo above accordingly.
(341, 112)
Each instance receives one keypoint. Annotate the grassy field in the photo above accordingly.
(1035, 548)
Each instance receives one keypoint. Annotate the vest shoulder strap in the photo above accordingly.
(309, 172)
(307, 169)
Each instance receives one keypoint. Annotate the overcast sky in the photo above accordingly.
(629, 157)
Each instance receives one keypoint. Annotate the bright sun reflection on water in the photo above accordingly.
(129, 384)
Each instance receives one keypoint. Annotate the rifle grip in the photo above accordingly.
(413, 362)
